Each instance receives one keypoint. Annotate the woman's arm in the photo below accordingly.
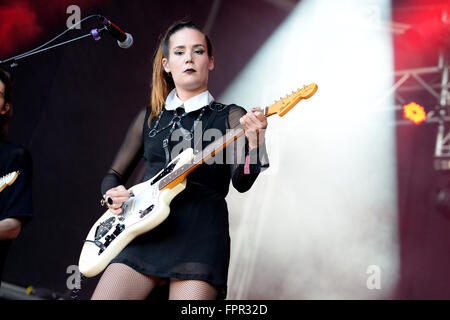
(128, 156)
(10, 228)
(251, 156)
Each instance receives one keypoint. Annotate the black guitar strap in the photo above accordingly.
(212, 106)
(211, 118)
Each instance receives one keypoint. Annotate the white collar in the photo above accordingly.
(192, 104)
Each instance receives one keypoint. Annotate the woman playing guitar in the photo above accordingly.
(191, 248)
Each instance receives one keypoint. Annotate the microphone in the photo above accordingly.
(124, 40)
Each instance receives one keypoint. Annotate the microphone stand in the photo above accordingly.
(12, 62)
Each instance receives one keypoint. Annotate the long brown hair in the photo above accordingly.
(162, 82)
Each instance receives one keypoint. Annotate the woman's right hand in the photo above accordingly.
(118, 195)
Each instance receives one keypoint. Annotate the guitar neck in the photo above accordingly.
(8, 179)
(210, 151)
(280, 107)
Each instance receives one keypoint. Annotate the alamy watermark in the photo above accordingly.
(233, 154)
(374, 278)
(73, 21)
(74, 279)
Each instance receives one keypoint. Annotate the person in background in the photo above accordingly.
(15, 177)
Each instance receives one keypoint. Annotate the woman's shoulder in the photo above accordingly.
(231, 108)
(143, 113)
(148, 110)
(145, 109)
(230, 113)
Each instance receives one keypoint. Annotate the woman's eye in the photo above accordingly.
(200, 51)
(178, 53)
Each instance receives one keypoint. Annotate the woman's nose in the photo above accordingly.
(188, 57)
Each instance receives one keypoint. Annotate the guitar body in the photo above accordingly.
(149, 207)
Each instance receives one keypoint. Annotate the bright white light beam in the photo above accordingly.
(323, 224)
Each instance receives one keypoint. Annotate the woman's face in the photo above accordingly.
(188, 61)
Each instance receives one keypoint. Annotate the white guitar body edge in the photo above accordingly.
(91, 263)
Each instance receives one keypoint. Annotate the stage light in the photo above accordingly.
(414, 112)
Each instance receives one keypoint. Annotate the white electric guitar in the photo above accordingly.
(8, 179)
(149, 201)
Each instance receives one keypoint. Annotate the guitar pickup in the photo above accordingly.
(143, 213)
(119, 229)
(116, 232)
(109, 239)
(165, 172)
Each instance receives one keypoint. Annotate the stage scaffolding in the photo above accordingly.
(440, 111)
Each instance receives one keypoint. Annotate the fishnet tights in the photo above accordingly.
(191, 290)
(120, 282)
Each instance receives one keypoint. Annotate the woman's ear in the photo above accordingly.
(5, 108)
(165, 64)
(211, 63)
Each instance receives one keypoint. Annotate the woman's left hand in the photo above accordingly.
(254, 124)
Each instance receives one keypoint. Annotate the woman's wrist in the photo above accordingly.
(254, 145)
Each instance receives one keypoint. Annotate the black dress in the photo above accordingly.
(193, 242)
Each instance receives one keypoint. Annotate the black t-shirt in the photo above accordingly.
(15, 196)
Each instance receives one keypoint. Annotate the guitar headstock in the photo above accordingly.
(285, 104)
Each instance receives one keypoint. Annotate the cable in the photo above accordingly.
(50, 41)
(75, 292)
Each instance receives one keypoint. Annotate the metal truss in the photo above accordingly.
(441, 112)
(440, 91)
(442, 149)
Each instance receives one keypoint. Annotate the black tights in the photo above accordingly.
(120, 282)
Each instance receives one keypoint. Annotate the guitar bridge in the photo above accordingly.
(104, 228)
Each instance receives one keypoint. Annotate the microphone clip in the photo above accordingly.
(124, 40)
